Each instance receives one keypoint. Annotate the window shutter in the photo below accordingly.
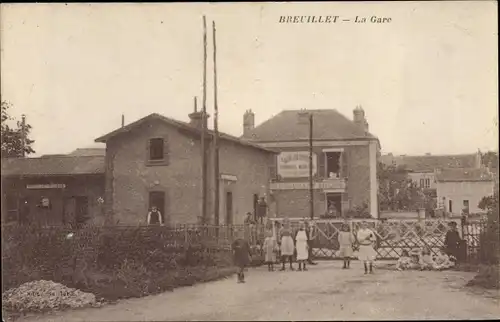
(344, 166)
(166, 150)
(148, 150)
(321, 165)
(273, 173)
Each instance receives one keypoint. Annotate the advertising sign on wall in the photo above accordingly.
(295, 164)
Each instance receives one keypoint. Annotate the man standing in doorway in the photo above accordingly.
(154, 217)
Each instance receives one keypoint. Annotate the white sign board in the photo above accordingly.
(295, 164)
(46, 186)
(335, 186)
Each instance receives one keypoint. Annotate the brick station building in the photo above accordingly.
(345, 158)
(155, 161)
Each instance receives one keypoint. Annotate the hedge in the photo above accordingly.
(113, 262)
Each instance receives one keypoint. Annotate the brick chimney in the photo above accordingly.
(196, 117)
(478, 162)
(248, 123)
(359, 118)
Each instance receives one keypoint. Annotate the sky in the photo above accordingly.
(428, 80)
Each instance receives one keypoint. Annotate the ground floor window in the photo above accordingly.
(11, 208)
(334, 204)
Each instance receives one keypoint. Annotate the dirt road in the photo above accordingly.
(325, 292)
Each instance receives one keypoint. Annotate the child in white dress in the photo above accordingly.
(302, 247)
(443, 261)
(346, 240)
(366, 238)
(270, 248)
(426, 261)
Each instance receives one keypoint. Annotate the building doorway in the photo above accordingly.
(157, 199)
(229, 207)
(69, 211)
(334, 205)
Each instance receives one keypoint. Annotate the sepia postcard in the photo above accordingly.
(253, 161)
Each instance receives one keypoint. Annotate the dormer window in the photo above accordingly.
(156, 149)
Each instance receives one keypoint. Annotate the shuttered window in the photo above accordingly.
(158, 151)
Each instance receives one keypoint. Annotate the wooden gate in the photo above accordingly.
(393, 236)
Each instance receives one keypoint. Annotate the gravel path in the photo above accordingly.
(325, 292)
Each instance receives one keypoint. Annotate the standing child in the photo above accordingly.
(242, 256)
(366, 238)
(302, 247)
(287, 246)
(346, 240)
(270, 248)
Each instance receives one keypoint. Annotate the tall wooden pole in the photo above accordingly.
(23, 136)
(216, 136)
(311, 184)
(203, 128)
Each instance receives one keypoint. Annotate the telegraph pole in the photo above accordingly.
(23, 136)
(216, 136)
(203, 128)
(311, 184)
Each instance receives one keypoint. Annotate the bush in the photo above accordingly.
(488, 277)
(114, 262)
(489, 240)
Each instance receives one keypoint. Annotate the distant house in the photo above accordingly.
(421, 168)
(462, 189)
(344, 161)
(53, 189)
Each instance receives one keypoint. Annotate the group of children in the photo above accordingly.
(288, 248)
(424, 260)
(363, 241)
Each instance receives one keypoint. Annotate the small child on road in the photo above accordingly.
(242, 256)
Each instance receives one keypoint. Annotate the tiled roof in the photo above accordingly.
(53, 165)
(327, 125)
(182, 125)
(461, 175)
(428, 163)
(89, 152)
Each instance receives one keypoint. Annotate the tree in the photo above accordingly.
(489, 202)
(12, 138)
(398, 192)
(489, 158)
